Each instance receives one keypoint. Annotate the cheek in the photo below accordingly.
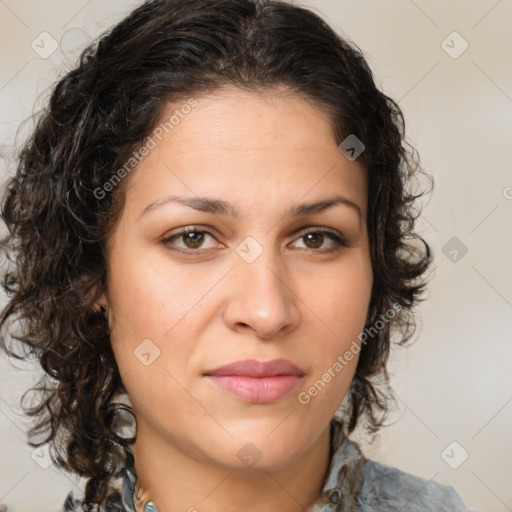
(340, 310)
(342, 300)
(158, 317)
(148, 300)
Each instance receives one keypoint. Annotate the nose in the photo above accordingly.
(261, 297)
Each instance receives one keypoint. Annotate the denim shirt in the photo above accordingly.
(352, 483)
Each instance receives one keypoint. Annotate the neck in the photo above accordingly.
(175, 481)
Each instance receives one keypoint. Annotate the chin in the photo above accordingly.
(250, 457)
(260, 445)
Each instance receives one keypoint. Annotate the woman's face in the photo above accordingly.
(259, 278)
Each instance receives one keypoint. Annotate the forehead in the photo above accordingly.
(273, 144)
(244, 120)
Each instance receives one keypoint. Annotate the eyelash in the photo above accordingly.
(339, 239)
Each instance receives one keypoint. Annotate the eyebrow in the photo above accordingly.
(221, 207)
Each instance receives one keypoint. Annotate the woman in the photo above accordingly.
(212, 220)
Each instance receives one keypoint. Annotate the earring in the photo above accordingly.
(102, 309)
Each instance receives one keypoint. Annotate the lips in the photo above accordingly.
(253, 368)
(257, 382)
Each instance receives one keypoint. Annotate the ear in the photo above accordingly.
(101, 304)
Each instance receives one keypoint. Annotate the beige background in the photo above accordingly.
(454, 383)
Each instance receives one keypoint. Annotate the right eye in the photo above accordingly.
(192, 238)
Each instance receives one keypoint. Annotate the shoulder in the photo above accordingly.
(384, 488)
(358, 484)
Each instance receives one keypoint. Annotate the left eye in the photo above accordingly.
(193, 239)
(317, 238)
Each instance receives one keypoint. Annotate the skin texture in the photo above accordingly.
(264, 153)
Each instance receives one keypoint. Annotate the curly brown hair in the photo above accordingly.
(98, 115)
